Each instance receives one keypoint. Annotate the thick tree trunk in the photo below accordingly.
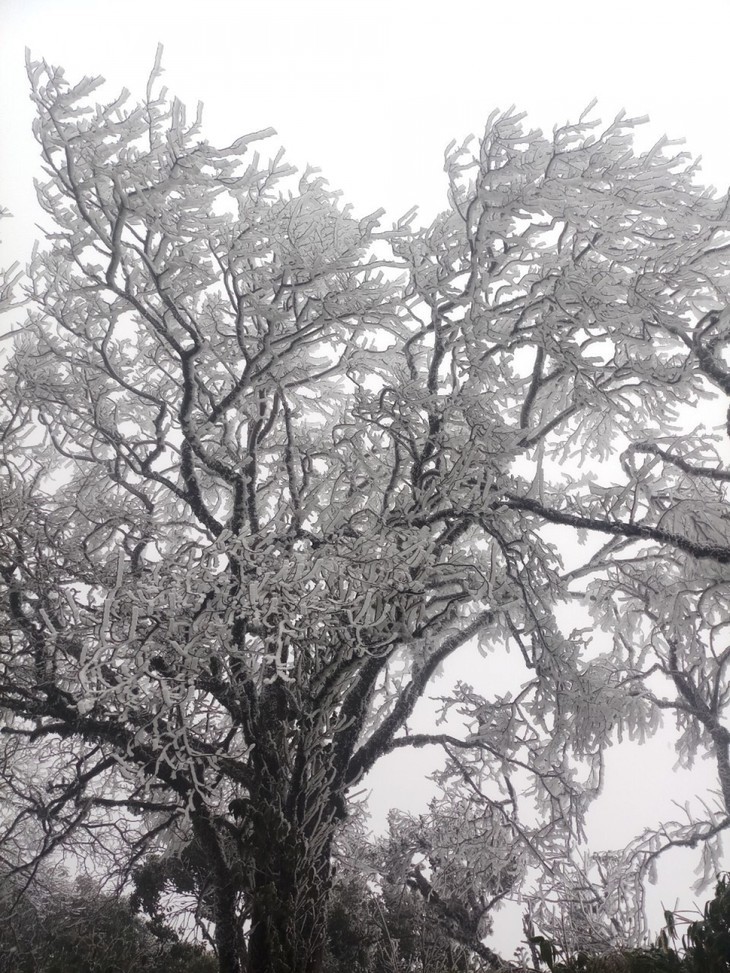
(286, 936)
(296, 801)
(289, 918)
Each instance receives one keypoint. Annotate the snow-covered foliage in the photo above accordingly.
(268, 466)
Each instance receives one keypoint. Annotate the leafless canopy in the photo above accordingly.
(268, 465)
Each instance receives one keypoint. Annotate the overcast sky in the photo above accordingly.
(372, 92)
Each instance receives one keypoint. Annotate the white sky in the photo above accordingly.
(372, 92)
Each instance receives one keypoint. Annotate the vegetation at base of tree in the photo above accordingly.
(391, 930)
(394, 932)
(705, 947)
(76, 927)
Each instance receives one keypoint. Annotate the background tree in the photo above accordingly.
(704, 946)
(667, 615)
(390, 930)
(268, 467)
(54, 925)
(592, 906)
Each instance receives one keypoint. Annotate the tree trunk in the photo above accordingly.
(227, 932)
(227, 942)
(289, 916)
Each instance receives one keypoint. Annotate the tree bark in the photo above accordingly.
(227, 932)
(289, 917)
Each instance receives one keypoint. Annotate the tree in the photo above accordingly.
(594, 907)
(677, 606)
(269, 466)
(388, 931)
(53, 925)
(705, 946)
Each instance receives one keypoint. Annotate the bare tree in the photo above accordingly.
(268, 466)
